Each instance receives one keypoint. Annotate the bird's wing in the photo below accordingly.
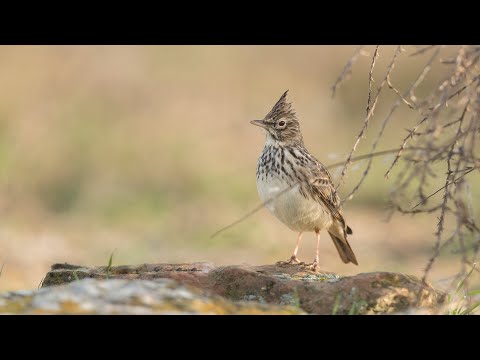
(321, 189)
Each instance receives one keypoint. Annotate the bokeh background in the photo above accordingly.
(148, 150)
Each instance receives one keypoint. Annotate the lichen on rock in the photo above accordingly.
(120, 296)
(315, 292)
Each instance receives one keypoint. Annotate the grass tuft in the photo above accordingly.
(109, 265)
(462, 304)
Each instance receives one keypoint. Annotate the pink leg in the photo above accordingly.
(314, 265)
(293, 258)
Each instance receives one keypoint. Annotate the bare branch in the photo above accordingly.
(443, 187)
(404, 144)
(370, 78)
(370, 109)
(432, 141)
(423, 50)
(410, 105)
(446, 197)
(347, 70)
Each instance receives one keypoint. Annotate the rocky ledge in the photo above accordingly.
(119, 296)
(202, 288)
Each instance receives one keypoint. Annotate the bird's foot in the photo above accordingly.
(313, 266)
(293, 261)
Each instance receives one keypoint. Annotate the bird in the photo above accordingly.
(296, 187)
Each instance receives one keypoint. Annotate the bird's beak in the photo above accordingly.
(260, 123)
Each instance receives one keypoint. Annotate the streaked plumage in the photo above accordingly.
(296, 187)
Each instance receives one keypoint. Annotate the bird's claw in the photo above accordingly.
(313, 266)
(293, 261)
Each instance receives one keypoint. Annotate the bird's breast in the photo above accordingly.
(280, 194)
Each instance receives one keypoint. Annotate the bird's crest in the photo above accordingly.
(282, 109)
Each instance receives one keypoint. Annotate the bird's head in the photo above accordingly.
(281, 123)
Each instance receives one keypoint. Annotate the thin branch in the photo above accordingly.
(347, 70)
(368, 156)
(370, 78)
(370, 109)
(431, 210)
(423, 50)
(374, 146)
(449, 157)
(464, 87)
(438, 234)
(458, 90)
(443, 187)
(387, 119)
(410, 105)
(250, 213)
(446, 197)
(433, 130)
(404, 144)
(423, 74)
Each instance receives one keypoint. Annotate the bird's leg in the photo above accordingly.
(314, 265)
(293, 258)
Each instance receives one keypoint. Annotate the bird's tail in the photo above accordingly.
(343, 248)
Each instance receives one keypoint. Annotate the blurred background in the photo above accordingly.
(148, 150)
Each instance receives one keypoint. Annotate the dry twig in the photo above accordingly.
(431, 143)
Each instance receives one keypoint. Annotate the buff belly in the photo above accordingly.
(291, 207)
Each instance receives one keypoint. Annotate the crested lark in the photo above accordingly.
(295, 186)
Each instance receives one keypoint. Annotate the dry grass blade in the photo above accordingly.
(109, 265)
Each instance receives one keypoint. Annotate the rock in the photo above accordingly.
(293, 285)
(120, 296)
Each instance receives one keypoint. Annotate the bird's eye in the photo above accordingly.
(281, 123)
